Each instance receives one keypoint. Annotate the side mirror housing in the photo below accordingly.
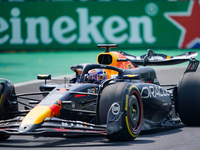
(43, 77)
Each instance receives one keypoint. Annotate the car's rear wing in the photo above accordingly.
(192, 66)
(154, 59)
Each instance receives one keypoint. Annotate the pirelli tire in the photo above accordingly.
(8, 104)
(128, 97)
(188, 98)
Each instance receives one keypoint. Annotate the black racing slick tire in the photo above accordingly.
(7, 103)
(3, 137)
(131, 108)
(188, 98)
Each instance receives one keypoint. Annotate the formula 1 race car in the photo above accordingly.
(118, 101)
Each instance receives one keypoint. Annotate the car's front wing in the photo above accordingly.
(52, 127)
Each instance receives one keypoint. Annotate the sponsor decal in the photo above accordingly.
(39, 30)
(22, 26)
(115, 108)
(188, 23)
(76, 124)
(55, 109)
(151, 9)
(153, 92)
(126, 64)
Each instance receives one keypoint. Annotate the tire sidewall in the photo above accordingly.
(122, 93)
(188, 98)
(131, 90)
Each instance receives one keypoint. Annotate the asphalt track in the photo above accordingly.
(182, 138)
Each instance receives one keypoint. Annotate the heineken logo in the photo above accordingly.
(87, 27)
(135, 24)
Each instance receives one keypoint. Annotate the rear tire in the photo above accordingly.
(128, 96)
(188, 98)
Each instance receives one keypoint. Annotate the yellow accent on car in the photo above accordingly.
(1, 99)
(126, 104)
(113, 55)
(168, 57)
(41, 75)
(130, 75)
(37, 115)
(135, 87)
(127, 96)
(129, 130)
(132, 87)
(112, 61)
(126, 108)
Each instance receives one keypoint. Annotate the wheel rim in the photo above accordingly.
(134, 112)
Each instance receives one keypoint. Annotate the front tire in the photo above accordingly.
(188, 98)
(7, 103)
(131, 107)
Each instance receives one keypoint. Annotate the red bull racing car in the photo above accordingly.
(115, 98)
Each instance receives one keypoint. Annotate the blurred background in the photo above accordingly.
(49, 36)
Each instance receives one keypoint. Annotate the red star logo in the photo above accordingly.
(189, 24)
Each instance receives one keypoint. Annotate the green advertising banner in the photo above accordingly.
(82, 25)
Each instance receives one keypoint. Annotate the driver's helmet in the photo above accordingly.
(99, 75)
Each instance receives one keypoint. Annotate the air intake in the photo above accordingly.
(105, 59)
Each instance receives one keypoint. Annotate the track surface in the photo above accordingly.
(183, 138)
